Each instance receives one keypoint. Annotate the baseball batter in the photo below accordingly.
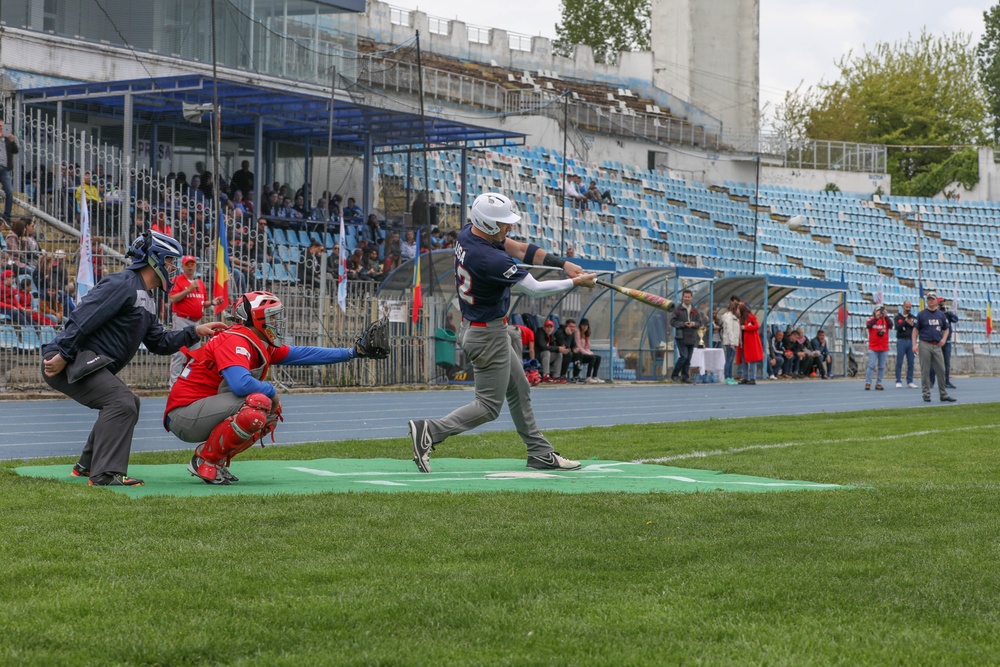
(486, 270)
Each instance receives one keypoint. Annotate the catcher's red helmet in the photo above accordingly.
(262, 311)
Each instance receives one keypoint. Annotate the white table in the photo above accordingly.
(709, 360)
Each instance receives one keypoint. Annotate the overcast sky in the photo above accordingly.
(800, 40)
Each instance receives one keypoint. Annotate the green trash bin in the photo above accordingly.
(444, 347)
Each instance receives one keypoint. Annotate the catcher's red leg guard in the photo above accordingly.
(233, 435)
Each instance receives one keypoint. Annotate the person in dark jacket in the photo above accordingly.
(685, 320)
(100, 338)
(566, 337)
(824, 362)
(903, 324)
(6, 167)
(549, 351)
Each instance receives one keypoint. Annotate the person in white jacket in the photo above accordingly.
(730, 324)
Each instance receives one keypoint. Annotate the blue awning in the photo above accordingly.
(288, 115)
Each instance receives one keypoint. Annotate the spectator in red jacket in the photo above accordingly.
(879, 326)
(751, 350)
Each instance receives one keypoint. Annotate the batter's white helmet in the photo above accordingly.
(492, 208)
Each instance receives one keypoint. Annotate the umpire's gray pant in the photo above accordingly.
(931, 356)
(110, 441)
(495, 352)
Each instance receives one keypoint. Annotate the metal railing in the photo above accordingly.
(402, 77)
(53, 161)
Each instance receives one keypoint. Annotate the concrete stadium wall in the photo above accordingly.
(633, 70)
(709, 53)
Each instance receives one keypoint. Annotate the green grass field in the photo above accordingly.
(903, 571)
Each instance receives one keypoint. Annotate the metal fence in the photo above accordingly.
(410, 362)
(125, 201)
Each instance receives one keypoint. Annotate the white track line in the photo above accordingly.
(782, 445)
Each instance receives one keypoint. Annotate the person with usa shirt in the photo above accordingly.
(930, 333)
(486, 270)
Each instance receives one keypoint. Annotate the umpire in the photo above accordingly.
(100, 337)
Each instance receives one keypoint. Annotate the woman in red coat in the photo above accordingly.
(750, 351)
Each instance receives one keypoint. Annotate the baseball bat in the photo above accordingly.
(643, 297)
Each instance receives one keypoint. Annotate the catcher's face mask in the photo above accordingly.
(263, 311)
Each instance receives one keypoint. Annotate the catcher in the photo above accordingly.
(222, 398)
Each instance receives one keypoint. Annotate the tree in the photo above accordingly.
(607, 26)
(923, 92)
(988, 56)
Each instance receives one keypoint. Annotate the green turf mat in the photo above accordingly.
(450, 475)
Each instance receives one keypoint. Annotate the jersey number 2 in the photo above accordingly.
(464, 284)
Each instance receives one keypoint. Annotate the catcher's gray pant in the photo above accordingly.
(110, 441)
(495, 352)
(179, 360)
(194, 422)
(931, 356)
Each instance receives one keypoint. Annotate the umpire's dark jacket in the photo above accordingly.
(112, 320)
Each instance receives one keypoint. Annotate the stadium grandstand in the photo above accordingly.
(414, 135)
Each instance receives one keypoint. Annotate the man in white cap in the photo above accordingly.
(188, 301)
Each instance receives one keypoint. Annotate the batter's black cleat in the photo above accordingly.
(79, 471)
(552, 461)
(114, 479)
(420, 436)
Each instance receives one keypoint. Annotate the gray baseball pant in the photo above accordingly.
(931, 356)
(110, 441)
(495, 352)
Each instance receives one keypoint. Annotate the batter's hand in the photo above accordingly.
(208, 328)
(55, 365)
(572, 270)
(584, 279)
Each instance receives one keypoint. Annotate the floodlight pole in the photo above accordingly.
(756, 207)
(562, 225)
(217, 149)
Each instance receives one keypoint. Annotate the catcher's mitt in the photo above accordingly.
(374, 342)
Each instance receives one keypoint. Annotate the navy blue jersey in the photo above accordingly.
(931, 325)
(113, 319)
(484, 273)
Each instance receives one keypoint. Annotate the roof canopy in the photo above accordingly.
(287, 115)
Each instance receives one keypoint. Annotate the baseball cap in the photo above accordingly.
(931, 295)
(189, 258)
(940, 299)
(549, 323)
(7, 274)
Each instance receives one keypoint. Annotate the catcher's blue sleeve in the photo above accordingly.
(302, 355)
(243, 384)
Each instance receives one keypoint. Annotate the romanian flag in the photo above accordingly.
(222, 267)
(418, 297)
(842, 311)
(989, 314)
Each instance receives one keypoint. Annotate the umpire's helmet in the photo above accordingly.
(262, 311)
(158, 251)
(492, 208)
